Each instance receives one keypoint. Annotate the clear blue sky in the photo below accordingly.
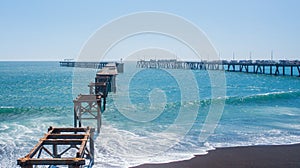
(56, 29)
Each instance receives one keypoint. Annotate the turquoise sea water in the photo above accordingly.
(163, 120)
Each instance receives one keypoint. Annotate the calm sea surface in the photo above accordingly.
(155, 116)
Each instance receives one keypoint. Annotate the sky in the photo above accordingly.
(58, 29)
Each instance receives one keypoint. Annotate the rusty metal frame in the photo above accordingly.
(109, 79)
(101, 89)
(67, 137)
(87, 104)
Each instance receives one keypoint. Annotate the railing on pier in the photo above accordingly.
(62, 140)
(282, 67)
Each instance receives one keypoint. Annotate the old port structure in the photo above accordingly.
(74, 147)
(270, 67)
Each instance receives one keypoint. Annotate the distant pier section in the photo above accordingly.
(95, 65)
(270, 67)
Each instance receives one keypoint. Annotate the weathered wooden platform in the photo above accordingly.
(61, 141)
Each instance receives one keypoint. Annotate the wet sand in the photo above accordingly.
(275, 156)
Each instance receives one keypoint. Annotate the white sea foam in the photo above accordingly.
(120, 148)
(267, 137)
(7, 107)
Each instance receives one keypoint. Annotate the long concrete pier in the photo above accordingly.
(281, 67)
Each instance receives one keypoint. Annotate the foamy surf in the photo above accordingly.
(121, 148)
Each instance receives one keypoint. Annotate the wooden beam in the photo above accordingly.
(63, 141)
(66, 136)
(51, 161)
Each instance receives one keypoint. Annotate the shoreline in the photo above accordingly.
(277, 156)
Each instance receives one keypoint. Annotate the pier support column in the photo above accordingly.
(55, 153)
(277, 70)
(75, 114)
(92, 150)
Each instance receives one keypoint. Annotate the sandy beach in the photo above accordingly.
(275, 156)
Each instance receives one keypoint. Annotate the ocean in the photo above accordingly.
(155, 116)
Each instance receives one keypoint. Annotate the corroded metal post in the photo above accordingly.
(92, 151)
